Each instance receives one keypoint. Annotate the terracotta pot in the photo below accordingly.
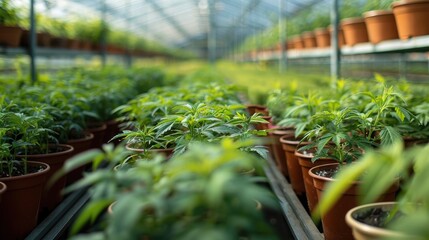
(72, 44)
(309, 39)
(304, 161)
(85, 45)
(3, 188)
(354, 31)
(43, 39)
(79, 145)
(52, 196)
(111, 130)
(99, 130)
(58, 42)
(362, 231)
(323, 37)
(411, 142)
(255, 108)
(411, 17)
(10, 36)
(381, 25)
(289, 45)
(333, 222)
(263, 126)
(341, 39)
(167, 152)
(297, 42)
(278, 153)
(20, 203)
(289, 145)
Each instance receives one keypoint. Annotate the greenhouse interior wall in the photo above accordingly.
(214, 119)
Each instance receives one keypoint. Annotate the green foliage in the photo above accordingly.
(57, 109)
(8, 14)
(193, 193)
(377, 171)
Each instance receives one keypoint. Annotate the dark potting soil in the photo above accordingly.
(18, 170)
(329, 173)
(376, 217)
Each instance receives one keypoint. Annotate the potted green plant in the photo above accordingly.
(380, 21)
(24, 179)
(185, 186)
(10, 32)
(41, 145)
(299, 116)
(409, 14)
(385, 165)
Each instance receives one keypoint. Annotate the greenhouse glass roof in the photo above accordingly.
(181, 23)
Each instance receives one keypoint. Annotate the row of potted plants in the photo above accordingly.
(45, 124)
(77, 34)
(403, 21)
(206, 184)
(340, 129)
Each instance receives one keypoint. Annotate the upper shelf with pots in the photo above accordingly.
(402, 29)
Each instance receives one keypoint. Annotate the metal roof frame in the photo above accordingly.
(186, 23)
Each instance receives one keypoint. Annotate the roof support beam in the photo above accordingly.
(249, 8)
(178, 27)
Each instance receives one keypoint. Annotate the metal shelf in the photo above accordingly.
(416, 44)
(300, 223)
(52, 52)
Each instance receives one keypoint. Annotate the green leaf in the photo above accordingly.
(91, 211)
(389, 135)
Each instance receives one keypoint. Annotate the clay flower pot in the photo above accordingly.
(362, 231)
(354, 31)
(297, 42)
(309, 39)
(333, 222)
(20, 204)
(289, 145)
(323, 37)
(278, 153)
(411, 17)
(99, 130)
(341, 39)
(289, 45)
(256, 108)
(381, 25)
(55, 159)
(3, 188)
(10, 36)
(304, 160)
(111, 130)
(79, 145)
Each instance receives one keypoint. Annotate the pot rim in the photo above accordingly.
(307, 34)
(327, 179)
(282, 131)
(46, 169)
(88, 136)
(376, 13)
(352, 20)
(101, 127)
(296, 38)
(318, 31)
(353, 223)
(407, 2)
(13, 26)
(3, 187)
(68, 149)
(296, 141)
